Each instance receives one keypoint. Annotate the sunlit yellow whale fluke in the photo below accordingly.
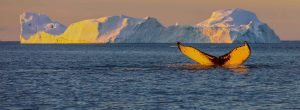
(237, 56)
(197, 55)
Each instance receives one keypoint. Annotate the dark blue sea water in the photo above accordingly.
(145, 76)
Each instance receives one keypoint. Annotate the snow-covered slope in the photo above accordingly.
(230, 17)
(237, 25)
(100, 30)
(224, 26)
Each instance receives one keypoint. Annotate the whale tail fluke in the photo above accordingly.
(237, 56)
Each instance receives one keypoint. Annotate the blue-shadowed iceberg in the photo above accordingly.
(224, 26)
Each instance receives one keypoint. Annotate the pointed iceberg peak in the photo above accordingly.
(152, 20)
(231, 17)
(149, 17)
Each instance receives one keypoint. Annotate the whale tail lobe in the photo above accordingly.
(236, 56)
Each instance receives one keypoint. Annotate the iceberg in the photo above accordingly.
(237, 25)
(224, 26)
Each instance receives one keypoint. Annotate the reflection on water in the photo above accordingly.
(190, 66)
(137, 76)
(240, 69)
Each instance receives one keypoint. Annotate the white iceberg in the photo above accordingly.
(224, 26)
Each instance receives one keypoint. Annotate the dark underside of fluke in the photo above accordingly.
(237, 56)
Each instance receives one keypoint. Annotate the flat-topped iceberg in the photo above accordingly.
(224, 26)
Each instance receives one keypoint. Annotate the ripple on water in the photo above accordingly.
(145, 76)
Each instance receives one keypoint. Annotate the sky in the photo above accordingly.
(282, 16)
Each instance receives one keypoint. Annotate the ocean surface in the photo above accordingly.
(145, 76)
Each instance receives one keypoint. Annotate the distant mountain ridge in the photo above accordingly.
(224, 26)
